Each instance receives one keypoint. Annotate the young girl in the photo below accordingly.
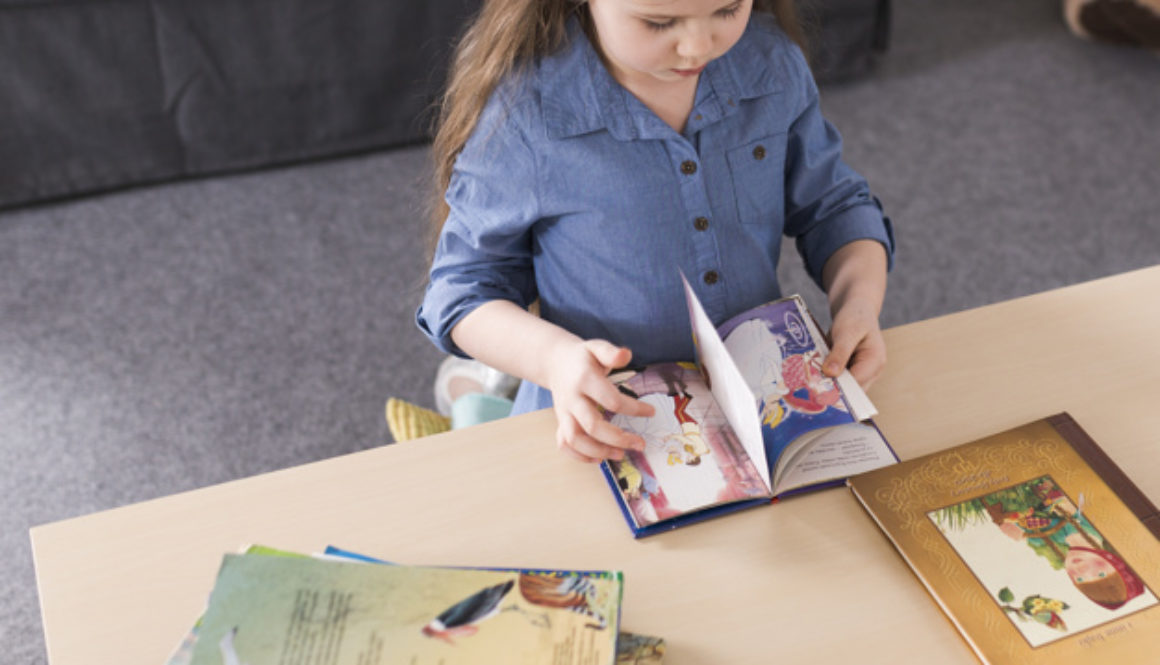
(590, 151)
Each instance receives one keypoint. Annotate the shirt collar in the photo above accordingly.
(580, 96)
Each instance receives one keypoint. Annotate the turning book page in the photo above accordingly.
(765, 368)
(809, 425)
(727, 383)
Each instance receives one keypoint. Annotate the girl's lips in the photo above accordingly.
(690, 72)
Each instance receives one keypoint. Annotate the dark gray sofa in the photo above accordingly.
(99, 94)
(102, 94)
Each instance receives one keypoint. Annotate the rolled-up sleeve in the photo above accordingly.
(485, 248)
(828, 204)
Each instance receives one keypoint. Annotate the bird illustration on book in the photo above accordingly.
(573, 593)
(462, 619)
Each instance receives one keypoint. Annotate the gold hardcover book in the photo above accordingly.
(1036, 546)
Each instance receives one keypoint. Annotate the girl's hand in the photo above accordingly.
(581, 393)
(575, 370)
(856, 341)
(855, 281)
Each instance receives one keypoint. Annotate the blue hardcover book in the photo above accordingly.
(752, 420)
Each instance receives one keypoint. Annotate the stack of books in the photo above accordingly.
(338, 607)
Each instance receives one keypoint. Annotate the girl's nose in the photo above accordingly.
(696, 44)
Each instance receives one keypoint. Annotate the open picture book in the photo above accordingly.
(751, 420)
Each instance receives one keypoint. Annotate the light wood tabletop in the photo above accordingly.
(807, 580)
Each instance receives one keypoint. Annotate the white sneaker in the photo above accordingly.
(457, 376)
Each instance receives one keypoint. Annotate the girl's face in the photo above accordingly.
(646, 42)
(1085, 566)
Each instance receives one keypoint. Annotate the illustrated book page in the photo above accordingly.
(1036, 556)
(692, 461)
(813, 428)
(309, 610)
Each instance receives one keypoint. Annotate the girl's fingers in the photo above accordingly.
(615, 437)
(583, 398)
(590, 421)
(869, 359)
(864, 372)
(602, 392)
(840, 353)
(629, 406)
(868, 365)
(586, 432)
(608, 354)
(586, 449)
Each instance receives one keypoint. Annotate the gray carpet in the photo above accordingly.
(168, 338)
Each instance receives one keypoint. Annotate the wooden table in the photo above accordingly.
(807, 580)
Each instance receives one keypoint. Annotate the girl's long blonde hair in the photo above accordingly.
(505, 36)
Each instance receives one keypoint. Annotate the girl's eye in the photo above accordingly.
(726, 13)
(1078, 579)
(729, 12)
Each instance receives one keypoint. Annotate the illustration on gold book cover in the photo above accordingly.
(1042, 560)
